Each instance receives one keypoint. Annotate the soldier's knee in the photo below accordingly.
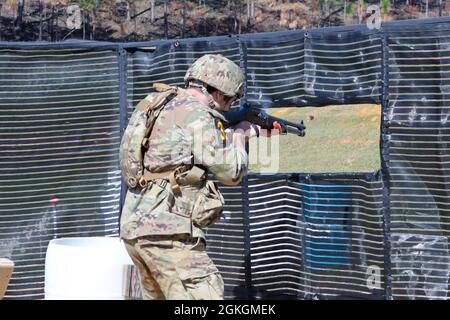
(210, 287)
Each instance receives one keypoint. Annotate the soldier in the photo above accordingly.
(162, 224)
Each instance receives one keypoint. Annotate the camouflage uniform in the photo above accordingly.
(161, 238)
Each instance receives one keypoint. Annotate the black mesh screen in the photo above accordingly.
(63, 108)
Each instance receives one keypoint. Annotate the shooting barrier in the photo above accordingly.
(379, 235)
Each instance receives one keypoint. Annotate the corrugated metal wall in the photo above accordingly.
(63, 108)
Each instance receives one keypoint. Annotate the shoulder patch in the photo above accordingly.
(219, 125)
(216, 114)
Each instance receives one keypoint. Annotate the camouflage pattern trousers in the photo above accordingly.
(175, 268)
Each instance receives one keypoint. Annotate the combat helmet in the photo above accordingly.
(218, 72)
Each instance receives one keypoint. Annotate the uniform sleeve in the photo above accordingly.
(214, 150)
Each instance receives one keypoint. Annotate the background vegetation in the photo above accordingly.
(132, 20)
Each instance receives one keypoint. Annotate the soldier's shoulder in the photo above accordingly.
(189, 109)
(190, 103)
(151, 96)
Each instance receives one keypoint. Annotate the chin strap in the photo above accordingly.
(211, 103)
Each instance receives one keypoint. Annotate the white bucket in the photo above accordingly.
(85, 269)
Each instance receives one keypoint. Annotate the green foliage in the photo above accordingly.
(10, 2)
(335, 4)
(89, 5)
(385, 6)
(363, 4)
(350, 8)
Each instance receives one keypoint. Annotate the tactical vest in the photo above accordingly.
(135, 141)
(208, 205)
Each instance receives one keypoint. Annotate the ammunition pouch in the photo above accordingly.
(208, 206)
(185, 182)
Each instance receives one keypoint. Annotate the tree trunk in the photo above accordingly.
(240, 22)
(20, 7)
(345, 12)
(166, 23)
(183, 14)
(235, 28)
(250, 9)
(90, 25)
(94, 20)
(41, 16)
(328, 8)
(360, 10)
(152, 18)
(1, 6)
(50, 25)
(84, 25)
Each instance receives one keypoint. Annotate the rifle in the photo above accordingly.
(262, 119)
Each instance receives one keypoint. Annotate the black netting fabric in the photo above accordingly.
(379, 235)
